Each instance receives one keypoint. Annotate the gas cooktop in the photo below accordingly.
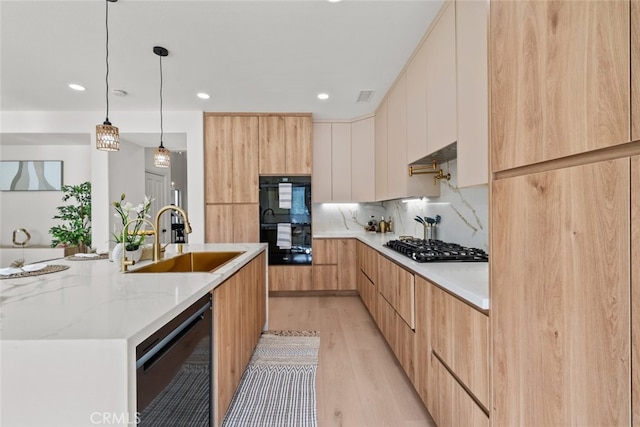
(421, 250)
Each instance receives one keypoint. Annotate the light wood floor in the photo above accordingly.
(359, 382)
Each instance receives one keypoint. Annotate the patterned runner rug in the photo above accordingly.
(278, 388)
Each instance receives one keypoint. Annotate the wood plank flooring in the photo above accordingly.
(359, 381)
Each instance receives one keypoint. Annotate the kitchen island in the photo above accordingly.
(68, 339)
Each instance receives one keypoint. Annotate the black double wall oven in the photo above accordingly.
(285, 219)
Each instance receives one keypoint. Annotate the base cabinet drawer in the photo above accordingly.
(399, 335)
(454, 407)
(285, 278)
(368, 293)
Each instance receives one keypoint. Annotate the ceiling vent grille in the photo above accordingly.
(365, 96)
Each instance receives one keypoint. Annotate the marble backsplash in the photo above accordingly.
(464, 212)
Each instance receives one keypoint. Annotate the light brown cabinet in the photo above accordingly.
(472, 92)
(239, 310)
(635, 70)
(560, 314)
(287, 278)
(417, 106)
(399, 335)
(635, 289)
(232, 223)
(460, 339)
(231, 178)
(363, 175)
(285, 144)
(440, 47)
(425, 374)
(380, 149)
(397, 286)
(231, 159)
(560, 81)
(366, 277)
(397, 139)
(332, 162)
(334, 264)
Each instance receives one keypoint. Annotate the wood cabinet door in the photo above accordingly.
(285, 278)
(298, 144)
(417, 106)
(559, 79)
(635, 70)
(472, 91)
(397, 286)
(218, 159)
(560, 304)
(424, 382)
(245, 159)
(382, 188)
(462, 341)
(219, 223)
(245, 223)
(341, 162)
(441, 81)
(272, 146)
(325, 251)
(347, 268)
(322, 179)
(635, 289)
(397, 139)
(325, 278)
(363, 176)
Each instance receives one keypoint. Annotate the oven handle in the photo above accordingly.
(160, 346)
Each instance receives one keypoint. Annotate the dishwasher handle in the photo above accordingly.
(163, 346)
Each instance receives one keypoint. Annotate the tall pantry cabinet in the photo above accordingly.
(561, 232)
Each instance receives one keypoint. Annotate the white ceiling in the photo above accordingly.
(258, 56)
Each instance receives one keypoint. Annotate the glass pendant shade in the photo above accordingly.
(107, 137)
(162, 157)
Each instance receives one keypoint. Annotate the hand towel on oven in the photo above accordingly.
(284, 194)
(284, 236)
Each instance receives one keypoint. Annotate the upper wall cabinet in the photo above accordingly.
(231, 159)
(332, 162)
(362, 158)
(440, 47)
(635, 70)
(397, 139)
(472, 92)
(417, 106)
(560, 80)
(285, 145)
(380, 137)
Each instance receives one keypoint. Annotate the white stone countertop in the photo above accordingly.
(94, 300)
(467, 280)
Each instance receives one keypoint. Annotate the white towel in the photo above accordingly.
(284, 194)
(284, 236)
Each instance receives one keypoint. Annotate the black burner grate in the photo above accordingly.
(436, 251)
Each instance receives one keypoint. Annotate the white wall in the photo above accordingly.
(34, 210)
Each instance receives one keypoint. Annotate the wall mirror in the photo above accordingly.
(31, 175)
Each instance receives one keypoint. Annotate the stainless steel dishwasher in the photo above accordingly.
(173, 371)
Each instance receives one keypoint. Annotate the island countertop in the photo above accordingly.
(467, 280)
(94, 300)
(68, 339)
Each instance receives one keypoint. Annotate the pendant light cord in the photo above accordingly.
(106, 23)
(161, 127)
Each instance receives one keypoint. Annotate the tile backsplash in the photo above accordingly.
(464, 212)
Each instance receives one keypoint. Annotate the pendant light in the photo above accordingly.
(161, 156)
(107, 136)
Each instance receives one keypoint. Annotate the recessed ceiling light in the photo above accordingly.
(77, 87)
(334, 1)
(203, 95)
(323, 96)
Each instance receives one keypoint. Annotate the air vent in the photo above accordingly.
(365, 96)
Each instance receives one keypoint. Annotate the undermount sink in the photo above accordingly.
(189, 262)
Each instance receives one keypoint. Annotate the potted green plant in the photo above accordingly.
(75, 230)
(133, 232)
